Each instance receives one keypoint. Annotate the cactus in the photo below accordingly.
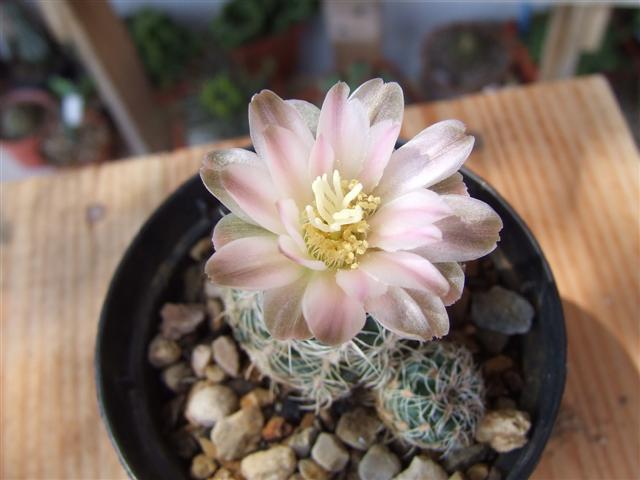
(435, 398)
(319, 373)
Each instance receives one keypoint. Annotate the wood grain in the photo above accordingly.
(560, 153)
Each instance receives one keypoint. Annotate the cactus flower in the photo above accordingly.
(332, 223)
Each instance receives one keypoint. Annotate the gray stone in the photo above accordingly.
(237, 435)
(310, 470)
(200, 358)
(358, 428)
(504, 430)
(277, 463)
(330, 453)
(502, 310)
(209, 403)
(302, 441)
(379, 463)
(179, 319)
(163, 352)
(225, 353)
(422, 468)
(465, 457)
(178, 377)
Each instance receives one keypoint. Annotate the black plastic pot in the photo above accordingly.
(129, 390)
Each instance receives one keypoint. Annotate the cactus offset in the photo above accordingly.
(435, 398)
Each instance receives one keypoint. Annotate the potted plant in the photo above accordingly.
(335, 258)
(263, 34)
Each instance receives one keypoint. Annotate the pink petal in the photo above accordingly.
(382, 139)
(471, 232)
(252, 263)
(266, 109)
(454, 274)
(332, 316)
(211, 174)
(410, 314)
(309, 113)
(451, 185)
(406, 270)
(230, 228)
(290, 249)
(282, 309)
(433, 155)
(290, 219)
(359, 284)
(344, 124)
(406, 222)
(287, 160)
(382, 101)
(251, 188)
(322, 158)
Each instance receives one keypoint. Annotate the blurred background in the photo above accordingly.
(84, 82)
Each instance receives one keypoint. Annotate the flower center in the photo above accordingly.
(335, 228)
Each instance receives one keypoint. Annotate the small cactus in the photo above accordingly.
(319, 373)
(435, 398)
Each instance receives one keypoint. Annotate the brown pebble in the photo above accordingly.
(513, 380)
(479, 471)
(225, 354)
(214, 374)
(327, 419)
(201, 250)
(216, 317)
(223, 474)
(207, 447)
(307, 420)
(497, 364)
(259, 397)
(202, 467)
(276, 429)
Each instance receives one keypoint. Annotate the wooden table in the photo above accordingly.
(560, 153)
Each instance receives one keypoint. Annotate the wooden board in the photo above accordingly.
(560, 153)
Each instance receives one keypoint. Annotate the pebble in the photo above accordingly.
(223, 474)
(457, 476)
(465, 457)
(179, 319)
(276, 463)
(209, 403)
(163, 352)
(201, 250)
(202, 467)
(177, 377)
(214, 311)
(258, 397)
(502, 310)
(276, 429)
(505, 403)
(207, 447)
(358, 428)
(214, 374)
(379, 463)
(225, 353)
(310, 470)
(200, 358)
(504, 430)
(422, 468)
(329, 453)
(302, 441)
(497, 364)
(237, 434)
(494, 474)
(479, 471)
(493, 342)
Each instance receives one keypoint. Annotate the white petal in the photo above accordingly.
(290, 249)
(382, 139)
(470, 233)
(359, 284)
(290, 219)
(252, 263)
(309, 113)
(406, 270)
(454, 274)
(322, 158)
(282, 309)
(382, 101)
(332, 316)
(230, 228)
(410, 313)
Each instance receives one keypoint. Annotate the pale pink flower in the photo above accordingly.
(331, 223)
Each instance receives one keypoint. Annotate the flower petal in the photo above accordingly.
(344, 124)
(406, 270)
(309, 113)
(290, 219)
(471, 232)
(282, 309)
(251, 188)
(433, 155)
(407, 221)
(382, 101)
(252, 263)
(322, 158)
(231, 227)
(454, 274)
(382, 139)
(287, 160)
(359, 284)
(266, 109)
(212, 167)
(290, 249)
(453, 184)
(331, 314)
(411, 314)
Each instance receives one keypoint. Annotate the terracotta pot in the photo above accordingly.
(27, 150)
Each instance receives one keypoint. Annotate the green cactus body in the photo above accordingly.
(435, 398)
(319, 373)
